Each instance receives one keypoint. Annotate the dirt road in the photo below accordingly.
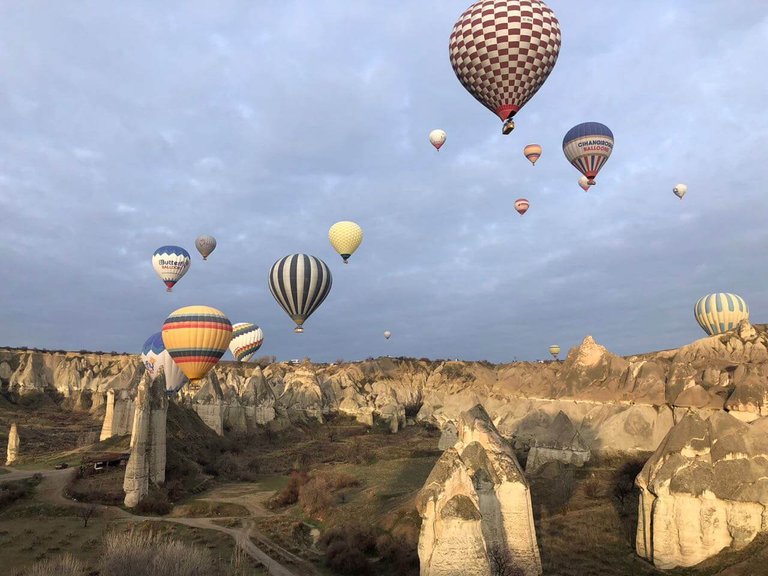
(54, 481)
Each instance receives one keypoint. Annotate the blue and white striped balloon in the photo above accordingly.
(155, 356)
(720, 312)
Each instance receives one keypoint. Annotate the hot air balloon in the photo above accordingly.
(718, 313)
(588, 147)
(246, 339)
(584, 183)
(387, 334)
(680, 190)
(554, 350)
(155, 357)
(196, 337)
(437, 138)
(300, 283)
(345, 237)
(532, 152)
(205, 245)
(521, 205)
(171, 263)
(502, 52)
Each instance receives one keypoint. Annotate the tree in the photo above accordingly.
(86, 513)
(501, 562)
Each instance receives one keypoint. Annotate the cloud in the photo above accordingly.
(130, 127)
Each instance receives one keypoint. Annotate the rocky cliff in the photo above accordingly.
(476, 507)
(704, 489)
(614, 403)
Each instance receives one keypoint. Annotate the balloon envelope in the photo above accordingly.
(588, 146)
(156, 358)
(503, 50)
(299, 284)
(387, 334)
(171, 263)
(720, 312)
(196, 337)
(554, 350)
(205, 245)
(532, 152)
(345, 238)
(246, 339)
(437, 138)
(521, 205)
(680, 190)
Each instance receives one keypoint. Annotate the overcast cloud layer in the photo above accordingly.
(127, 126)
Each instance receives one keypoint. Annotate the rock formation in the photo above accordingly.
(118, 417)
(476, 506)
(704, 489)
(614, 403)
(557, 441)
(146, 464)
(13, 445)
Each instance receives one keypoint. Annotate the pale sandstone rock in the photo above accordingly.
(118, 417)
(703, 490)
(146, 464)
(476, 499)
(557, 441)
(12, 453)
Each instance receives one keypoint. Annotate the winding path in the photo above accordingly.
(54, 481)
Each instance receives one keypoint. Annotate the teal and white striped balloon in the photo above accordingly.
(720, 312)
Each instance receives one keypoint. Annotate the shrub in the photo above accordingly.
(156, 502)
(137, 554)
(342, 558)
(316, 496)
(290, 492)
(593, 489)
(66, 565)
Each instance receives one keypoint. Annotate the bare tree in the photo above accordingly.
(501, 562)
(86, 513)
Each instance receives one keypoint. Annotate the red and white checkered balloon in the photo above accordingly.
(503, 50)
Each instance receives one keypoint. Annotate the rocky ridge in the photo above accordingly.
(614, 403)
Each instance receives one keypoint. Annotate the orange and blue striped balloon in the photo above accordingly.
(196, 337)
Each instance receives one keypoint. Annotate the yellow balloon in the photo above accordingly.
(345, 238)
(554, 350)
(196, 337)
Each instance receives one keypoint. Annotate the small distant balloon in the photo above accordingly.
(521, 205)
(720, 312)
(246, 340)
(387, 334)
(205, 245)
(437, 138)
(171, 263)
(532, 152)
(680, 190)
(155, 357)
(554, 350)
(588, 146)
(345, 238)
(584, 183)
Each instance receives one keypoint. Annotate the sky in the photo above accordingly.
(129, 126)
